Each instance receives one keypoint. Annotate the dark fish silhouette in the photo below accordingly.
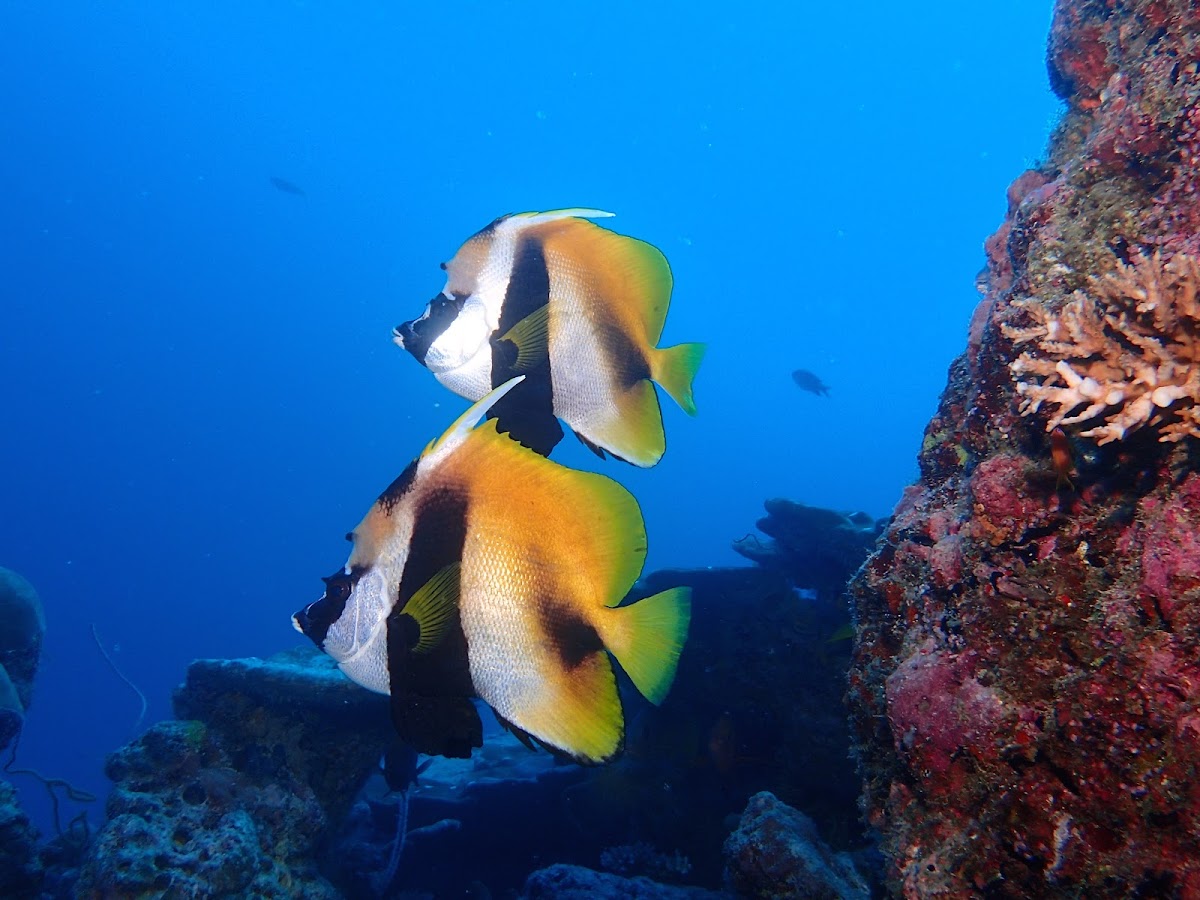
(288, 187)
(810, 382)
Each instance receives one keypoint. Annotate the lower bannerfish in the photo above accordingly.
(579, 310)
(487, 570)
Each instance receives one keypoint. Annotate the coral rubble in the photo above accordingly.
(21, 870)
(183, 822)
(232, 799)
(776, 852)
(1025, 690)
(564, 882)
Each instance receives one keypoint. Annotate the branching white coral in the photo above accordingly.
(1126, 352)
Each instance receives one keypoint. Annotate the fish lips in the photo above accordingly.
(405, 335)
(315, 620)
(308, 622)
(417, 335)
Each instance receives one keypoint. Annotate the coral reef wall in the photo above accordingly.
(1025, 689)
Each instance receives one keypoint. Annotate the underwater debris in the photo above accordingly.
(1127, 350)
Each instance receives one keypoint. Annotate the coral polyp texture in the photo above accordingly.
(1125, 352)
(1025, 688)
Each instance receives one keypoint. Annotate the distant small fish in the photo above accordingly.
(844, 633)
(288, 187)
(1062, 457)
(810, 382)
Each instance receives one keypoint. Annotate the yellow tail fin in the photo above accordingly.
(675, 368)
(647, 637)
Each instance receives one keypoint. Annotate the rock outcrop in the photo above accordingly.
(1026, 689)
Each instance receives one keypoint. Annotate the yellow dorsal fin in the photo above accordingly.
(433, 607)
(531, 336)
(454, 436)
(584, 517)
(629, 278)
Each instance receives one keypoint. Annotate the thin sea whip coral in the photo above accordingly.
(133, 687)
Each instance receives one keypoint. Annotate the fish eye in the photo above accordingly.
(338, 588)
(442, 266)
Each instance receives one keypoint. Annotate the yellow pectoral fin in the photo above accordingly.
(675, 369)
(433, 607)
(531, 337)
(647, 637)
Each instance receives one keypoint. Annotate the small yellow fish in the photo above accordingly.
(488, 570)
(578, 309)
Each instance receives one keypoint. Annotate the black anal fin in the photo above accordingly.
(529, 424)
(437, 725)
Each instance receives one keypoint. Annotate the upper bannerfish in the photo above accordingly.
(578, 310)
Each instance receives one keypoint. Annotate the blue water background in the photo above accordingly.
(200, 395)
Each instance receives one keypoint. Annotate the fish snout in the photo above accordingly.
(302, 621)
(413, 336)
(405, 333)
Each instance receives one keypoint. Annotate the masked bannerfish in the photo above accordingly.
(576, 308)
(487, 570)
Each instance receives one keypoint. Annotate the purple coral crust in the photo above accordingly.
(1025, 692)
